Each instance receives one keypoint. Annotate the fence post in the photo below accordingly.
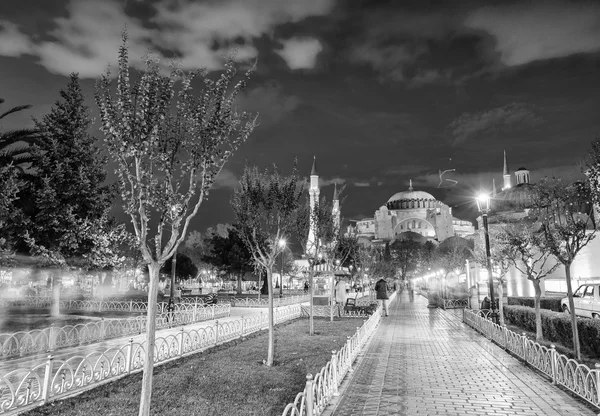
(349, 353)
(505, 336)
(129, 357)
(52, 338)
(553, 363)
(242, 318)
(195, 309)
(216, 332)
(130, 305)
(524, 339)
(47, 379)
(358, 337)
(310, 400)
(213, 311)
(102, 329)
(597, 383)
(181, 342)
(334, 373)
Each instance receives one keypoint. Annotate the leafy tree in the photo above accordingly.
(184, 267)
(521, 245)
(230, 255)
(319, 245)
(564, 214)
(265, 206)
(10, 213)
(406, 256)
(68, 221)
(169, 146)
(347, 250)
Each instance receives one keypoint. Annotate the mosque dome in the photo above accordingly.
(411, 195)
(515, 198)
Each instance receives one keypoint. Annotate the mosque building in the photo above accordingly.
(514, 203)
(415, 211)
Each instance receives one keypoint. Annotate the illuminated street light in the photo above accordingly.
(483, 204)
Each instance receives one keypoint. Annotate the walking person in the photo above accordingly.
(340, 295)
(381, 287)
(411, 290)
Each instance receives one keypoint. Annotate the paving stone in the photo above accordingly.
(425, 361)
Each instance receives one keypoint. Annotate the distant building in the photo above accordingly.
(415, 211)
(512, 204)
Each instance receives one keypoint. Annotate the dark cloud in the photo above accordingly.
(270, 102)
(501, 120)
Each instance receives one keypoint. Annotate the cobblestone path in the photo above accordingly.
(427, 362)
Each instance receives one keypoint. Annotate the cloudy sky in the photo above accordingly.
(380, 91)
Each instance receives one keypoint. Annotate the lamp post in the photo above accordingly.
(282, 244)
(483, 204)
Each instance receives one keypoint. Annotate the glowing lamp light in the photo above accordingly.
(483, 202)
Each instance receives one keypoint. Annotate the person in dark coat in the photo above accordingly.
(381, 288)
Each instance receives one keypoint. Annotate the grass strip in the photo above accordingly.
(228, 380)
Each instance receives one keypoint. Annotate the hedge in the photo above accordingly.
(550, 303)
(556, 327)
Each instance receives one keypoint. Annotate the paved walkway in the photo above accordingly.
(427, 362)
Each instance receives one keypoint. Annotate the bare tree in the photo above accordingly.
(265, 206)
(520, 245)
(168, 146)
(564, 216)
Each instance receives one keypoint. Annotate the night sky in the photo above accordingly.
(380, 91)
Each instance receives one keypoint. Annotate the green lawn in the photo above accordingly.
(229, 380)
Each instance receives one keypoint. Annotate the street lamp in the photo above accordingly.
(282, 244)
(483, 204)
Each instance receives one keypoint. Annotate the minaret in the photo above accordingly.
(493, 187)
(336, 208)
(313, 192)
(506, 174)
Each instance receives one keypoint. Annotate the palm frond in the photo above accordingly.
(14, 110)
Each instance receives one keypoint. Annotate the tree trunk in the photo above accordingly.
(271, 349)
(538, 314)
(55, 308)
(311, 293)
(239, 284)
(576, 346)
(146, 395)
(500, 304)
(259, 284)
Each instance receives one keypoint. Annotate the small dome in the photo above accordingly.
(513, 199)
(410, 195)
(521, 169)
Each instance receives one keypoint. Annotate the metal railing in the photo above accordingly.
(454, 303)
(54, 379)
(263, 302)
(95, 305)
(323, 387)
(24, 343)
(562, 370)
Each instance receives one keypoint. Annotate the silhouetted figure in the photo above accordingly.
(264, 290)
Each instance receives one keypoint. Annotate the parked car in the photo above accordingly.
(587, 301)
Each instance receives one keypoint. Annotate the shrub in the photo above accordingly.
(550, 303)
(556, 327)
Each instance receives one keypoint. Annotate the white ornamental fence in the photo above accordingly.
(562, 370)
(323, 387)
(23, 343)
(55, 379)
(263, 302)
